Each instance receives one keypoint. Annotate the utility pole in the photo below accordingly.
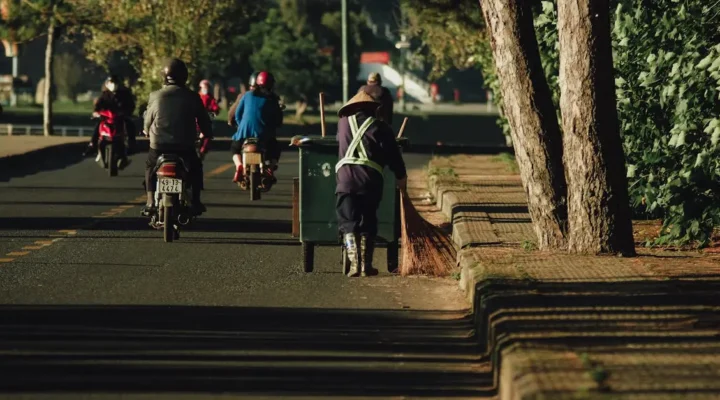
(13, 95)
(402, 45)
(345, 80)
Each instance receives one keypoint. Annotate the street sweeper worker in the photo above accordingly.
(366, 146)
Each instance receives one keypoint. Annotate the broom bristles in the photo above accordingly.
(426, 249)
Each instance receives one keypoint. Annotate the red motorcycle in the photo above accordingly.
(111, 143)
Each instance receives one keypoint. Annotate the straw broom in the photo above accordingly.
(426, 249)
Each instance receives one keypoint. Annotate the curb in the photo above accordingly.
(561, 334)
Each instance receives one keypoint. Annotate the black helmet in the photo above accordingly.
(175, 72)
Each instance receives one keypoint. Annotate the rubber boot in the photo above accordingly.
(367, 249)
(238, 174)
(351, 247)
(149, 208)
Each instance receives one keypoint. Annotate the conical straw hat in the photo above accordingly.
(359, 101)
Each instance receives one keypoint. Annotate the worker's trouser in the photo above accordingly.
(357, 213)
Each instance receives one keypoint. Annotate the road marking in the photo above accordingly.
(219, 170)
(119, 209)
(35, 247)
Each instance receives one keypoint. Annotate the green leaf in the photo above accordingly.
(714, 123)
(675, 70)
(701, 157)
(631, 170)
(715, 65)
(705, 62)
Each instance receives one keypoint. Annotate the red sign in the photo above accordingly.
(378, 57)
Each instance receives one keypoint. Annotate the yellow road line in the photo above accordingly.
(105, 214)
(220, 170)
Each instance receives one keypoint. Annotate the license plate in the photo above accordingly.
(166, 185)
(253, 158)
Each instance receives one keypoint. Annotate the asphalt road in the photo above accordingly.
(93, 304)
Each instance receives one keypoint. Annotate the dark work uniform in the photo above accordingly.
(359, 188)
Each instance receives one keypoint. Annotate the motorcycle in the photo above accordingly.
(257, 177)
(173, 196)
(111, 144)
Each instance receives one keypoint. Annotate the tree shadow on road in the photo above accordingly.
(281, 351)
(47, 159)
(141, 224)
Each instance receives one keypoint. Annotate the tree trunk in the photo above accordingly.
(47, 96)
(528, 106)
(598, 205)
(300, 108)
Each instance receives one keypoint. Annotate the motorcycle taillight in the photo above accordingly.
(167, 170)
(250, 148)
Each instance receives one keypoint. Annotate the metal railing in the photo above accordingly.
(37, 130)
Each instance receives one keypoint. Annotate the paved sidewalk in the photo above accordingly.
(560, 326)
(16, 145)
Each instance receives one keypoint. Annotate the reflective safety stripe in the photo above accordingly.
(361, 158)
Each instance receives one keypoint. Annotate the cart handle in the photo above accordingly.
(402, 128)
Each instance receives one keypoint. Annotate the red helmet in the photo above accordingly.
(265, 79)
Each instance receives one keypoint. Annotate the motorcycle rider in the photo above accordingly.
(211, 106)
(207, 98)
(366, 145)
(170, 121)
(258, 115)
(120, 100)
(233, 107)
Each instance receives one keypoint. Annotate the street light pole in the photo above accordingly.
(345, 80)
(13, 95)
(403, 49)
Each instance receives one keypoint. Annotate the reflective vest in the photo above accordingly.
(356, 154)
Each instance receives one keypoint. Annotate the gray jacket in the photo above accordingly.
(171, 115)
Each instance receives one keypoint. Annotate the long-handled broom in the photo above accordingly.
(426, 249)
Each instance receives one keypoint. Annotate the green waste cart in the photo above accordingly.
(314, 218)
